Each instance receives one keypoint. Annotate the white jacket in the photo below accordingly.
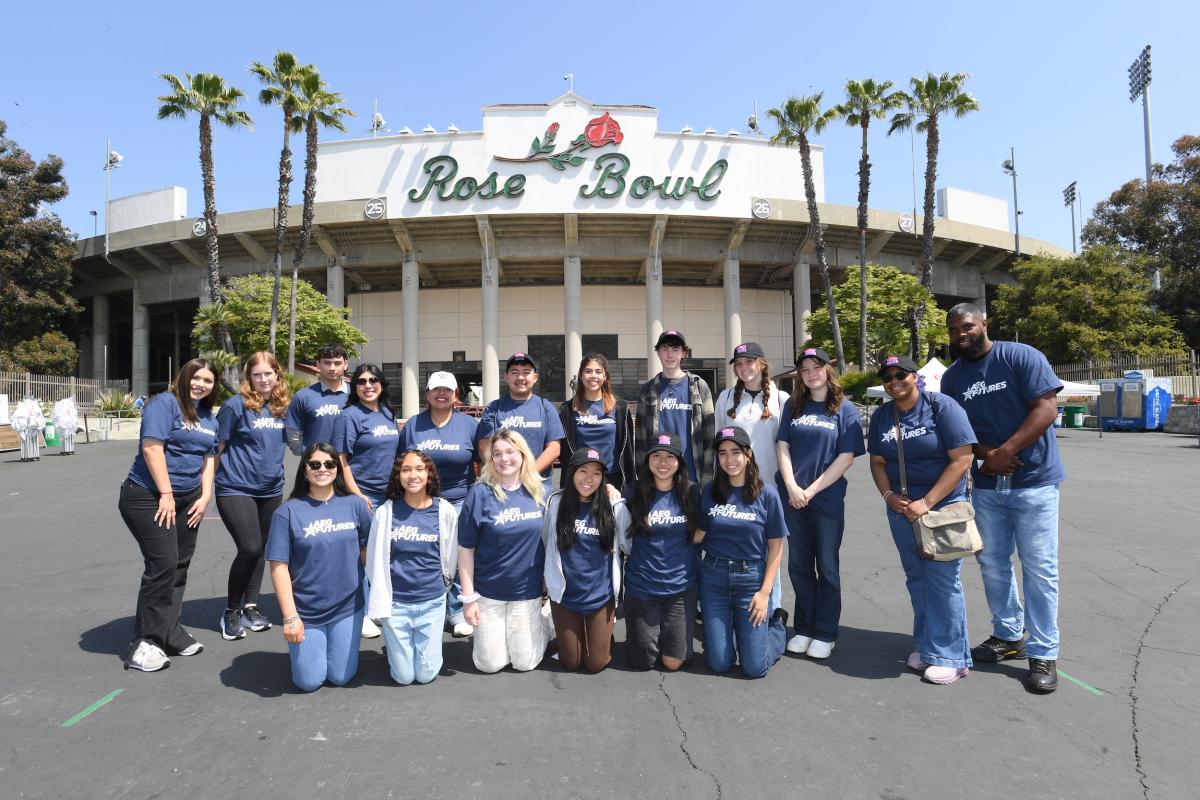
(379, 554)
(556, 583)
(762, 431)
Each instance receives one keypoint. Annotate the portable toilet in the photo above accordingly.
(1138, 401)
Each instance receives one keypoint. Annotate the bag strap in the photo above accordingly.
(900, 451)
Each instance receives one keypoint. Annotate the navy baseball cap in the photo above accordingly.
(732, 433)
(900, 362)
(666, 442)
(747, 350)
(585, 455)
(670, 336)
(812, 352)
(520, 358)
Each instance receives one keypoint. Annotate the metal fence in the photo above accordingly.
(1181, 369)
(52, 388)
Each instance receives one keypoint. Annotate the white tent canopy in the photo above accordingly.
(933, 370)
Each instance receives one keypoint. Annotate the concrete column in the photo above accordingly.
(99, 334)
(140, 383)
(335, 285)
(490, 291)
(654, 313)
(801, 303)
(572, 317)
(205, 297)
(410, 352)
(733, 312)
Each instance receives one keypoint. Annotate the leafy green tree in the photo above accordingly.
(865, 100)
(1164, 225)
(795, 119)
(246, 314)
(317, 107)
(892, 298)
(928, 100)
(35, 248)
(1092, 306)
(48, 354)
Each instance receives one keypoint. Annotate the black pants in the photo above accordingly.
(167, 553)
(248, 520)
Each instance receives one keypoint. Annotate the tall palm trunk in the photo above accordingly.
(918, 313)
(814, 219)
(306, 219)
(864, 189)
(208, 179)
(281, 210)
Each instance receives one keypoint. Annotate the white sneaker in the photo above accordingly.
(799, 644)
(944, 675)
(461, 629)
(148, 658)
(369, 629)
(915, 662)
(819, 649)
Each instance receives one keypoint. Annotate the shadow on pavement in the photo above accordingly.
(864, 653)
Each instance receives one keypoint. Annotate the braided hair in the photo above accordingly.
(739, 387)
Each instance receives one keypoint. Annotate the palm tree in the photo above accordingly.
(930, 97)
(865, 100)
(316, 107)
(798, 116)
(282, 81)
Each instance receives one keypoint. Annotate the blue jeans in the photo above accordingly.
(813, 565)
(454, 606)
(414, 640)
(726, 588)
(1026, 520)
(329, 652)
(939, 610)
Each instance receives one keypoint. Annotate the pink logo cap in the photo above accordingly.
(812, 351)
(890, 360)
(741, 348)
(593, 454)
(727, 431)
(671, 332)
(664, 439)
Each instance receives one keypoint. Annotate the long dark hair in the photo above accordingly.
(183, 388)
(801, 394)
(354, 400)
(433, 484)
(601, 513)
(300, 487)
(754, 484)
(642, 497)
(580, 402)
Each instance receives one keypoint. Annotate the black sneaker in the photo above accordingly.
(1043, 675)
(997, 649)
(231, 625)
(254, 619)
(780, 614)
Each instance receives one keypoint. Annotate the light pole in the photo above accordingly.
(95, 224)
(1139, 84)
(1069, 202)
(112, 160)
(1009, 165)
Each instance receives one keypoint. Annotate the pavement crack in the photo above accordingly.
(1147, 566)
(1138, 766)
(1115, 585)
(662, 687)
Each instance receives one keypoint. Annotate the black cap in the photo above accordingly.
(584, 455)
(901, 362)
(812, 352)
(747, 350)
(666, 442)
(732, 433)
(520, 358)
(670, 335)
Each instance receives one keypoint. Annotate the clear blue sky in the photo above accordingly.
(1051, 79)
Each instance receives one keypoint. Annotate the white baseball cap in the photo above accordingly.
(441, 380)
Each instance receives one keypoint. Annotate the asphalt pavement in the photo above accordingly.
(1124, 723)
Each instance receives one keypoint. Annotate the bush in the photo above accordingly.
(48, 354)
(855, 385)
(117, 404)
(296, 382)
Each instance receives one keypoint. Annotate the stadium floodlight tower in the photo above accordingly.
(1069, 202)
(1139, 84)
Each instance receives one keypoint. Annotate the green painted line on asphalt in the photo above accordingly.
(103, 701)
(1078, 682)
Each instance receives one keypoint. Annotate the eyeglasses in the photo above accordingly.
(315, 465)
(371, 380)
(896, 375)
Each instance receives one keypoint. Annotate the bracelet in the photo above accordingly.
(291, 619)
(163, 493)
(887, 494)
(468, 598)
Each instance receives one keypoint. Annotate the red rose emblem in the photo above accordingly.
(553, 129)
(603, 130)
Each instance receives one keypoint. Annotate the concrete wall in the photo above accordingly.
(973, 208)
(148, 208)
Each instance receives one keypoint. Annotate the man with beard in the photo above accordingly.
(1008, 391)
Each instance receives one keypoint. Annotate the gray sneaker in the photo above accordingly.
(147, 658)
(254, 619)
(231, 625)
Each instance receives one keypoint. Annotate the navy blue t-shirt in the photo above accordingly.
(996, 391)
(314, 410)
(663, 563)
(738, 530)
(370, 439)
(252, 461)
(184, 445)
(675, 415)
(450, 447)
(926, 443)
(587, 569)
(535, 419)
(321, 543)
(815, 439)
(507, 539)
(416, 553)
(598, 431)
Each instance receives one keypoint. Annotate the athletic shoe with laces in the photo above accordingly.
(1043, 675)
(147, 658)
(461, 629)
(915, 663)
(819, 649)
(254, 619)
(799, 644)
(944, 676)
(193, 649)
(231, 625)
(369, 629)
(995, 649)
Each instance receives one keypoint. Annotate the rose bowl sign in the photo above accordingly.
(441, 180)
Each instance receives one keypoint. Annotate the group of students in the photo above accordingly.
(680, 503)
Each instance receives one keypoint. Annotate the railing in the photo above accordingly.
(1181, 369)
(52, 388)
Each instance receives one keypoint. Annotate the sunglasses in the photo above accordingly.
(371, 381)
(315, 465)
(895, 375)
